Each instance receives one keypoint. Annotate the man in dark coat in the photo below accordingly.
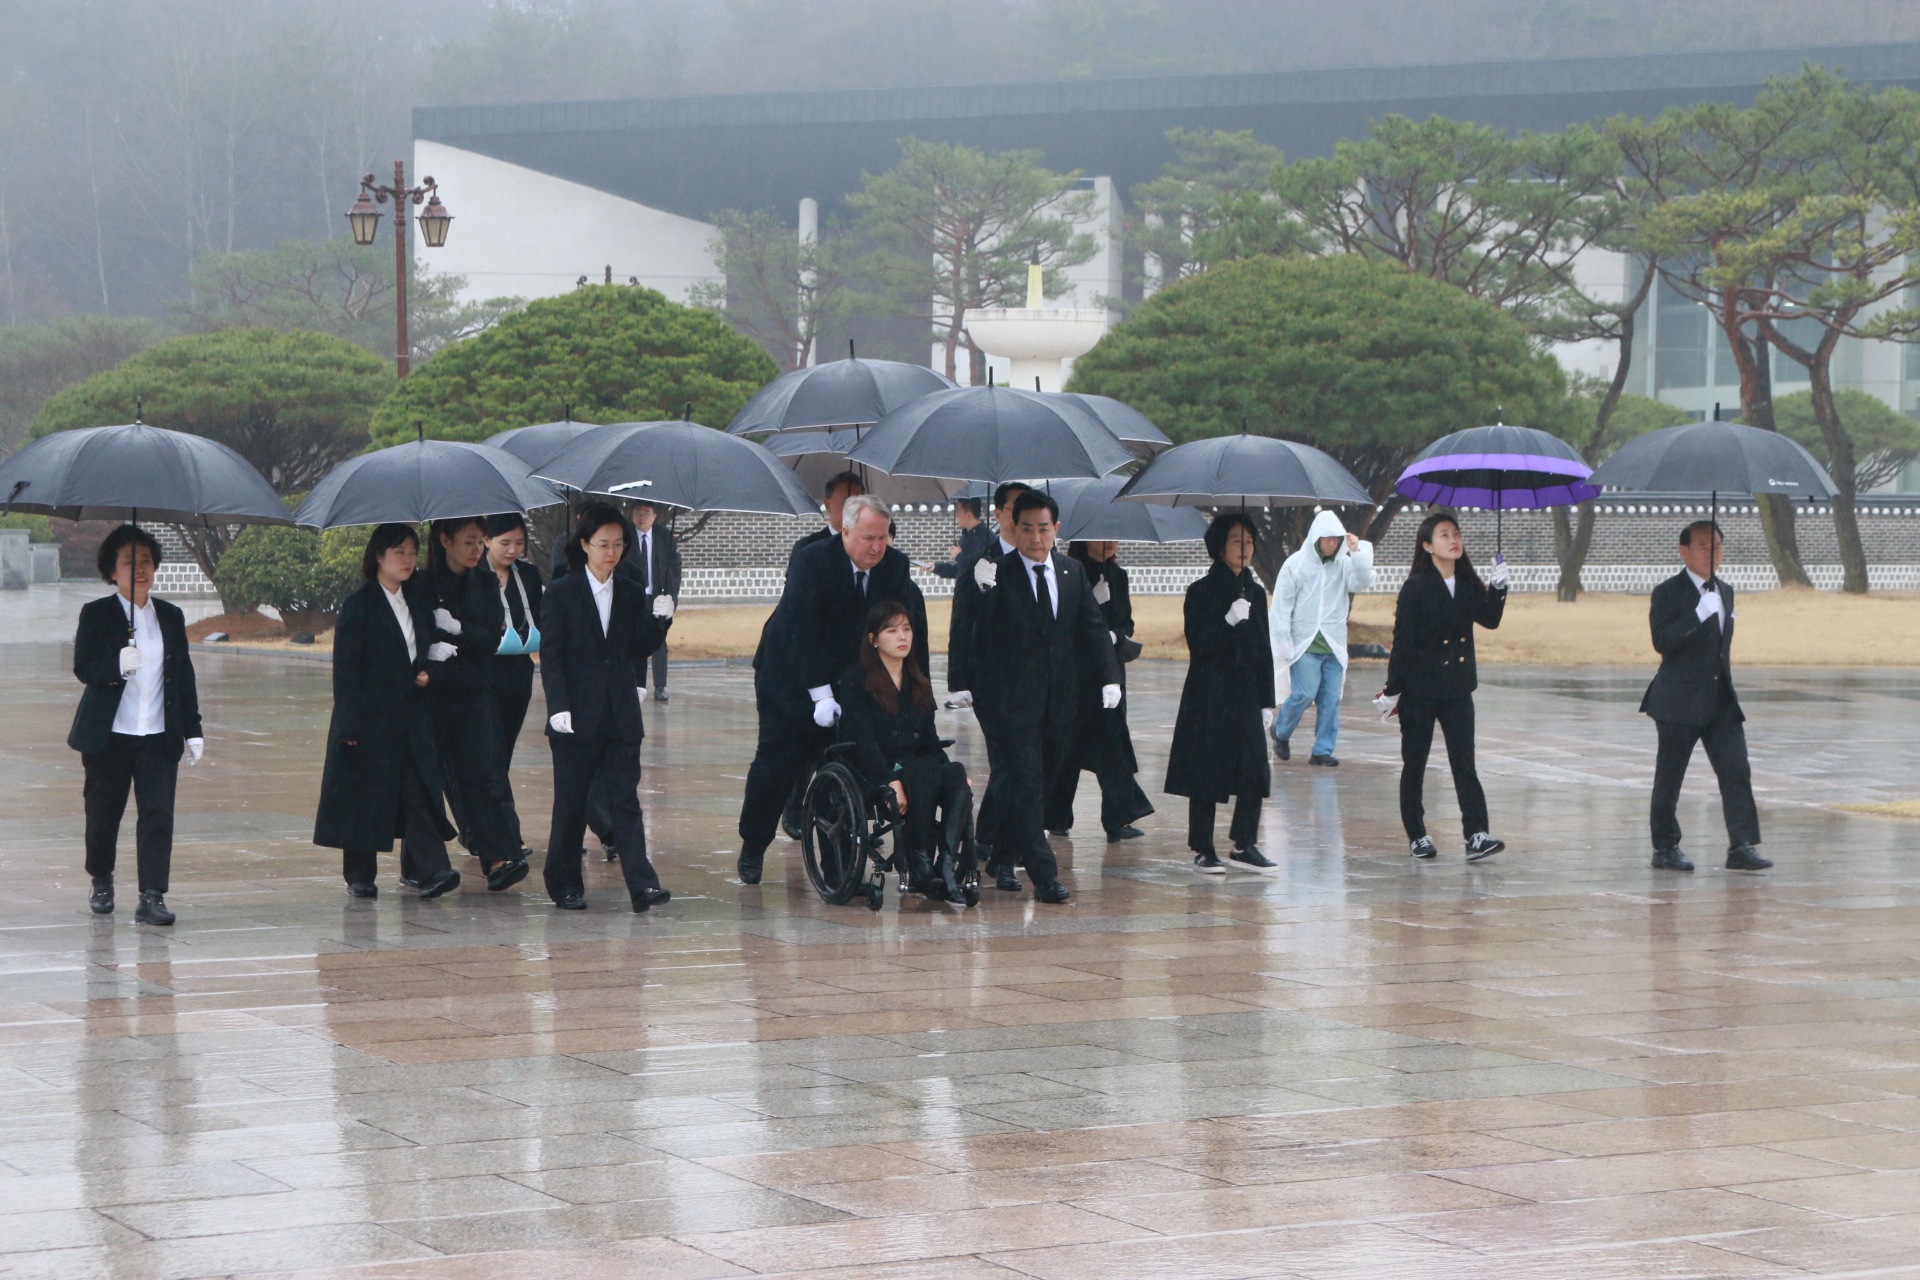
(964, 661)
(1692, 700)
(813, 636)
(1035, 614)
(657, 560)
(975, 537)
(1102, 743)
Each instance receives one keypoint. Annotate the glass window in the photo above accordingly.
(1681, 359)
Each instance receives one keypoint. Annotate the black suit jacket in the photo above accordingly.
(1433, 635)
(972, 542)
(97, 643)
(663, 569)
(473, 598)
(591, 675)
(814, 633)
(1036, 663)
(963, 653)
(1696, 658)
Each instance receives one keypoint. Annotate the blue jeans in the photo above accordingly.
(1317, 678)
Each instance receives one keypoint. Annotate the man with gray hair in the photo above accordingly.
(813, 636)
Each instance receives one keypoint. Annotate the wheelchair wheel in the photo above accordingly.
(834, 842)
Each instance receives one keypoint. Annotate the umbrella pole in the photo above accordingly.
(1714, 532)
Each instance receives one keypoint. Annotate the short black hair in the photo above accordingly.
(592, 520)
(1223, 525)
(127, 535)
(1686, 534)
(384, 539)
(1004, 494)
(1032, 500)
(497, 525)
(449, 528)
(844, 478)
(969, 505)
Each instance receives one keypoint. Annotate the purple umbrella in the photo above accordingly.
(1501, 468)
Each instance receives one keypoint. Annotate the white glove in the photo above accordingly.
(826, 712)
(446, 622)
(663, 606)
(561, 721)
(1266, 717)
(440, 651)
(130, 660)
(196, 747)
(1102, 593)
(1387, 704)
(986, 573)
(964, 698)
(1498, 578)
(1708, 606)
(1109, 696)
(640, 692)
(1239, 611)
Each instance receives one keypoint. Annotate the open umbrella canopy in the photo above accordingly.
(818, 456)
(1130, 427)
(680, 464)
(992, 434)
(1088, 513)
(1499, 468)
(424, 480)
(843, 393)
(535, 444)
(1725, 457)
(137, 472)
(1244, 470)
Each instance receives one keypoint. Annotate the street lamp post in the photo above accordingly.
(364, 219)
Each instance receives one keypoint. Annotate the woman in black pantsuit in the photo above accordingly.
(1431, 676)
(512, 680)
(140, 713)
(1219, 748)
(886, 712)
(1103, 744)
(382, 773)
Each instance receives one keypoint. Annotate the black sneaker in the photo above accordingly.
(1209, 861)
(1008, 881)
(1744, 857)
(1483, 846)
(1251, 858)
(153, 909)
(1671, 860)
(1124, 833)
(1052, 892)
(1423, 848)
(101, 903)
(660, 696)
(368, 890)
(1283, 748)
(1325, 762)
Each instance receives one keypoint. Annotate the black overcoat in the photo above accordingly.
(378, 706)
(814, 632)
(883, 741)
(97, 643)
(1219, 747)
(473, 598)
(1028, 668)
(594, 675)
(1104, 743)
(1696, 658)
(963, 655)
(1433, 634)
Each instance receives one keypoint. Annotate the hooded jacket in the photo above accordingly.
(1311, 594)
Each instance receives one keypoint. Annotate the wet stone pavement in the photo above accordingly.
(1557, 1063)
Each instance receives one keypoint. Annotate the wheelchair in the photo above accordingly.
(844, 827)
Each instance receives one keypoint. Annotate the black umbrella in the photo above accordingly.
(680, 464)
(992, 434)
(818, 456)
(1130, 427)
(424, 480)
(844, 393)
(1088, 513)
(535, 444)
(1244, 470)
(136, 472)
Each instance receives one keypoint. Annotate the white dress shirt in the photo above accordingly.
(143, 705)
(397, 601)
(1006, 548)
(602, 599)
(1719, 601)
(1045, 570)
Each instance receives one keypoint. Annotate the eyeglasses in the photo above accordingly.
(618, 544)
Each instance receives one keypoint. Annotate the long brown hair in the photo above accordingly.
(1423, 558)
(879, 683)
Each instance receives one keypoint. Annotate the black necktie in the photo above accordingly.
(1041, 593)
(860, 577)
(646, 566)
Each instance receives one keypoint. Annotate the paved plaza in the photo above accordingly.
(1558, 1063)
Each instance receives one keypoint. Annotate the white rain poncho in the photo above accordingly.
(1310, 596)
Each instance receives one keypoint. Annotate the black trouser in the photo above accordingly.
(1244, 830)
(512, 691)
(1455, 717)
(659, 661)
(937, 794)
(143, 764)
(1121, 800)
(1028, 755)
(423, 854)
(1725, 738)
(473, 776)
(787, 753)
(577, 760)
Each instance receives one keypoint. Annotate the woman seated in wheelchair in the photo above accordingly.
(886, 714)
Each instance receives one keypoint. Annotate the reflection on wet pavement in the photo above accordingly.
(1554, 1064)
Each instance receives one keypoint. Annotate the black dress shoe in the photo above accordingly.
(1051, 892)
(647, 899)
(440, 884)
(507, 875)
(364, 890)
(750, 865)
(1671, 860)
(153, 909)
(1283, 748)
(613, 854)
(1061, 831)
(101, 903)
(661, 696)
(1744, 857)
(1008, 881)
(1124, 833)
(571, 902)
(1326, 762)
(408, 882)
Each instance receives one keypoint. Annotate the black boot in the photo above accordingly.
(153, 909)
(101, 903)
